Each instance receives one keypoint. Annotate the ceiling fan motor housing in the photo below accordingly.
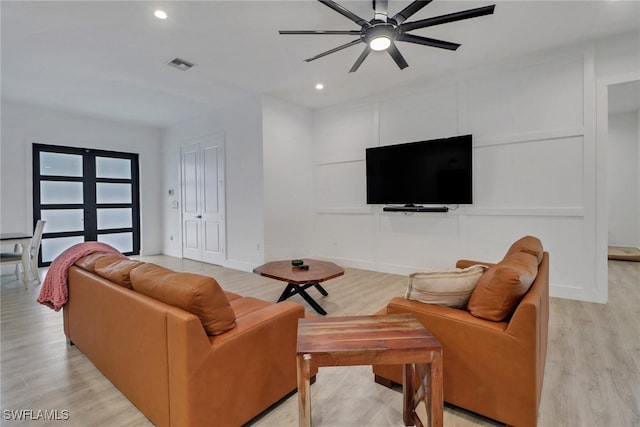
(377, 28)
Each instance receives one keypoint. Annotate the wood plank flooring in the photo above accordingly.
(592, 374)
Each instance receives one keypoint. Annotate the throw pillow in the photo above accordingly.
(445, 287)
(528, 244)
(501, 288)
(199, 295)
(118, 271)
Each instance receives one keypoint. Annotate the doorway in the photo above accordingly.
(85, 195)
(623, 170)
(203, 200)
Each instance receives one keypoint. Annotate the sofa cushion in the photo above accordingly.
(451, 287)
(118, 271)
(528, 244)
(197, 294)
(501, 288)
(90, 262)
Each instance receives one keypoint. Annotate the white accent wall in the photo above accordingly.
(23, 125)
(534, 129)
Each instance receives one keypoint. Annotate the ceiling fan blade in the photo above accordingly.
(335, 49)
(397, 56)
(408, 11)
(410, 38)
(344, 12)
(314, 32)
(451, 17)
(380, 8)
(360, 59)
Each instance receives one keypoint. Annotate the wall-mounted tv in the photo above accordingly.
(437, 171)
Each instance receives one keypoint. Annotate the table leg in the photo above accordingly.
(436, 396)
(293, 289)
(304, 390)
(26, 263)
(321, 289)
(308, 298)
(286, 293)
(407, 394)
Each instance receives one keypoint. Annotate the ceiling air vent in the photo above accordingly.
(180, 64)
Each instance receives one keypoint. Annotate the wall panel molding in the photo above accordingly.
(490, 141)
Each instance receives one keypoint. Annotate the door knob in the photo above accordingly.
(198, 216)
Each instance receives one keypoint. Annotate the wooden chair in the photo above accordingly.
(15, 257)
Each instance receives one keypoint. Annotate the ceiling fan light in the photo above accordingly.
(380, 43)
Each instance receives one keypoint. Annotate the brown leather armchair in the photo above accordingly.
(492, 368)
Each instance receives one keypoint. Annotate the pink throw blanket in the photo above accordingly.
(54, 292)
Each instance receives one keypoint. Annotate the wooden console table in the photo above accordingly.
(397, 339)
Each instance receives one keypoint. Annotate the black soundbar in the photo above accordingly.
(415, 209)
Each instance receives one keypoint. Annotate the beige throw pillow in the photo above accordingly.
(452, 287)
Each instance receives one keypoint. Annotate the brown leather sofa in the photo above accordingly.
(179, 348)
(493, 368)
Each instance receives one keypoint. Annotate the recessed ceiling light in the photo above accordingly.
(160, 14)
(319, 86)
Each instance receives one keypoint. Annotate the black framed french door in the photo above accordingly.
(85, 195)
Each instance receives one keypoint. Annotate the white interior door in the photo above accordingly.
(203, 207)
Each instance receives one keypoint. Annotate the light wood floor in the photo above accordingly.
(592, 374)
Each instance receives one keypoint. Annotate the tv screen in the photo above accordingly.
(426, 172)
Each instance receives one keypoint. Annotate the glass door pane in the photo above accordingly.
(110, 167)
(114, 218)
(113, 193)
(61, 193)
(60, 164)
(53, 247)
(121, 241)
(61, 220)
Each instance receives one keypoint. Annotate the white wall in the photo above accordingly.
(288, 180)
(533, 122)
(23, 125)
(241, 125)
(624, 180)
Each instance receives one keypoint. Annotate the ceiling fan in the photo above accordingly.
(382, 32)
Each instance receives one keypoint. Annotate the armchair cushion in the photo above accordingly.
(528, 244)
(451, 287)
(200, 295)
(501, 288)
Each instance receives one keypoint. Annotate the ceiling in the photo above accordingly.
(109, 58)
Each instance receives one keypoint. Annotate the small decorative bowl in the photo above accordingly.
(297, 262)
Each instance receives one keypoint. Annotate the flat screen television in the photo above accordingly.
(437, 171)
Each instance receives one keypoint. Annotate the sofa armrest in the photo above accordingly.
(255, 360)
(464, 263)
(445, 317)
